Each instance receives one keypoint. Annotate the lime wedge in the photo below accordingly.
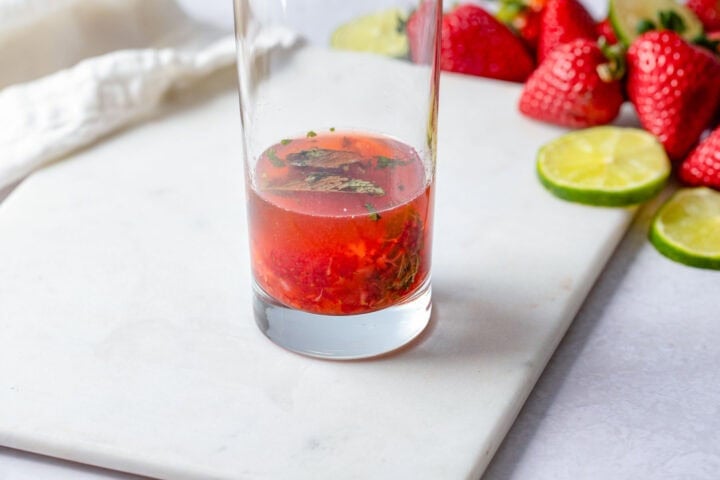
(604, 166)
(381, 32)
(687, 228)
(628, 16)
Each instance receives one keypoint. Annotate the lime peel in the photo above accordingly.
(687, 228)
(604, 166)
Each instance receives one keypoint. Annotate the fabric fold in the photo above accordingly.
(47, 118)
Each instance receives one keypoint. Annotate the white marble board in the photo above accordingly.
(126, 338)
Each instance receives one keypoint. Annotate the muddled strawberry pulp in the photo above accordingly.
(340, 223)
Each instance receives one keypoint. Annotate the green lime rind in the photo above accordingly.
(604, 198)
(679, 254)
(675, 250)
(604, 166)
(624, 16)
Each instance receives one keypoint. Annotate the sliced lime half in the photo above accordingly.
(630, 17)
(604, 166)
(687, 228)
(381, 32)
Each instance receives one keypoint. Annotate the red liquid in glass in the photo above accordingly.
(340, 223)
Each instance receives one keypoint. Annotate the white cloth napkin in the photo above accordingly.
(72, 71)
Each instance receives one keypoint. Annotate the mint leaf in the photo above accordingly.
(325, 182)
(274, 159)
(374, 215)
(385, 162)
(323, 158)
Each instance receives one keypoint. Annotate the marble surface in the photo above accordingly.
(128, 340)
(631, 392)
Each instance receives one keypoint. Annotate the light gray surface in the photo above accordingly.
(632, 391)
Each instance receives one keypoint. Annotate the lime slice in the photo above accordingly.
(604, 166)
(381, 32)
(687, 228)
(628, 16)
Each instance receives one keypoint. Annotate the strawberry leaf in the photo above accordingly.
(670, 20)
(615, 67)
(644, 25)
(707, 43)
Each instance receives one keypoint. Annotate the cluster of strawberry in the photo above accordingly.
(339, 279)
(577, 74)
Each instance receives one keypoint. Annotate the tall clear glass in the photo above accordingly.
(338, 103)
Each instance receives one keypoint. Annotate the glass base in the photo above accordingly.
(343, 337)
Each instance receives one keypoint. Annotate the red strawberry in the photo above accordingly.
(417, 26)
(714, 38)
(567, 88)
(674, 87)
(708, 11)
(563, 21)
(702, 166)
(604, 29)
(528, 27)
(476, 43)
(523, 16)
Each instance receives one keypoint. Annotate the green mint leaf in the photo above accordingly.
(323, 158)
(374, 215)
(311, 134)
(274, 159)
(285, 141)
(385, 162)
(326, 182)
(356, 185)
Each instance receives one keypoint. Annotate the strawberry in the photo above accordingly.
(563, 21)
(674, 87)
(708, 11)
(576, 86)
(605, 29)
(524, 17)
(416, 27)
(702, 166)
(476, 43)
(714, 39)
